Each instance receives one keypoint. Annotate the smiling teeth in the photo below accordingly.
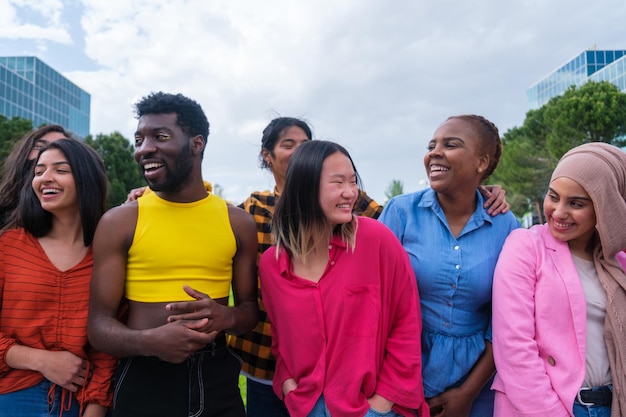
(561, 225)
(152, 165)
(438, 168)
(49, 191)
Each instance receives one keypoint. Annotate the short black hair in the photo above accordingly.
(189, 115)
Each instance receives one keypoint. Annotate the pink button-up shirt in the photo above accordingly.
(354, 333)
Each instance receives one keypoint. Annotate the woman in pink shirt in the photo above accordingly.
(341, 296)
(559, 296)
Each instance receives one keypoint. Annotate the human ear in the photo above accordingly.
(197, 145)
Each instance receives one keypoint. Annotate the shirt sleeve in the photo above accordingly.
(392, 217)
(367, 207)
(400, 375)
(98, 389)
(6, 342)
(281, 373)
(516, 353)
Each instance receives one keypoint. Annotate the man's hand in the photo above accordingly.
(217, 316)
(176, 341)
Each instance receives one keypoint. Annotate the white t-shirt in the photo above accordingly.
(597, 358)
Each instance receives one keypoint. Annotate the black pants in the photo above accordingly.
(205, 385)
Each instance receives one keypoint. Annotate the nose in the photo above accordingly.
(435, 149)
(350, 191)
(560, 210)
(45, 176)
(146, 147)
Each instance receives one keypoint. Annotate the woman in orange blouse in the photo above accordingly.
(46, 364)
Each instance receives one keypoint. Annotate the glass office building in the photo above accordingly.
(32, 90)
(591, 65)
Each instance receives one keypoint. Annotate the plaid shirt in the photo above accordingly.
(254, 348)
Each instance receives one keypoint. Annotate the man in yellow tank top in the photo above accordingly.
(166, 263)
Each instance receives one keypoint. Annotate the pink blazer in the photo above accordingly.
(539, 326)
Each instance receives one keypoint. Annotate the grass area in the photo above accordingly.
(243, 388)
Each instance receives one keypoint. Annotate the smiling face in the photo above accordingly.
(455, 158)
(163, 151)
(338, 189)
(54, 183)
(278, 158)
(570, 215)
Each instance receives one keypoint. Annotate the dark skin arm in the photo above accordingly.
(172, 342)
(244, 315)
(457, 402)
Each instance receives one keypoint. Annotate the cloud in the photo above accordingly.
(13, 14)
(376, 76)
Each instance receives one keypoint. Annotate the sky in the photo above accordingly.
(377, 76)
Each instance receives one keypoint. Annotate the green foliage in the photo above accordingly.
(396, 187)
(122, 170)
(12, 131)
(595, 112)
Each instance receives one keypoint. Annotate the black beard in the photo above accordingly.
(177, 177)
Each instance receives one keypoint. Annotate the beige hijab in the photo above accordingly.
(600, 169)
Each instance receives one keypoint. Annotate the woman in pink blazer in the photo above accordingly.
(559, 296)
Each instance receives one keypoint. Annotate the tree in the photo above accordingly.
(396, 187)
(11, 131)
(595, 112)
(122, 171)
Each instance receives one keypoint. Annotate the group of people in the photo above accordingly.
(339, 307)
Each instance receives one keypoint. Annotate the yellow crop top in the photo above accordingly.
(178, 244)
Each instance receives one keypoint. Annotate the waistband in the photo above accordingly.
(595, 396)
(217, 345)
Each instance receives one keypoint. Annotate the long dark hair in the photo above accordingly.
(15, 172)
(299, 220)
(90, 178)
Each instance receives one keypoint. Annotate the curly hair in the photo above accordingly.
(189, 115)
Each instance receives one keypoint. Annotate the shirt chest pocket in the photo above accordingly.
(361, 313)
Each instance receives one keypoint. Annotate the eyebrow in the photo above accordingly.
(448, 138)
(342, 176)
(154, 130)
(570, 198)
(54, 164)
